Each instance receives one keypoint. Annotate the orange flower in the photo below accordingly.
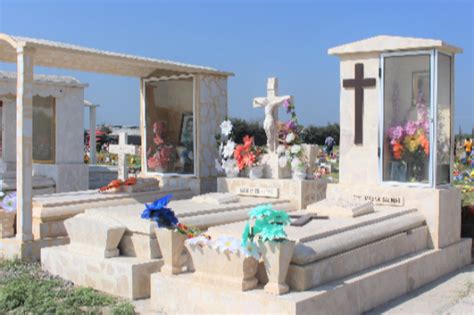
(397, 149)
(130, 181)
(425, 143)
(248, 141)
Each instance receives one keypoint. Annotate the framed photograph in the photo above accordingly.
(421, 86)
(186, 134)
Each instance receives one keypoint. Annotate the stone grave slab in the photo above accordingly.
(50, 211)
(341, 208)
(216, 198)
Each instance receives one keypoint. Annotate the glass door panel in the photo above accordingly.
(406, 121)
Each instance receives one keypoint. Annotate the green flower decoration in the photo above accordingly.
(269, 225)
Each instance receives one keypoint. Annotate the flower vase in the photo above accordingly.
(7, 223)
(232, 270)
(256, 172)
(171, 245)
(232, 173)
(299, 173)
(277, 257)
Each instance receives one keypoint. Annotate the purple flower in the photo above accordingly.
(9, 202)
(287, 105)
(395, 133)
(410, 128)
(291, 125)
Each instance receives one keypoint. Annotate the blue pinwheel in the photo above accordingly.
(158, 212)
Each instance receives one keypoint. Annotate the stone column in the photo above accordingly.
(24, 142)
(92, 128)
(143, 126)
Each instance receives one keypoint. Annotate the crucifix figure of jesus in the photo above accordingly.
(271, 103)
(122, 149)
(359, 83)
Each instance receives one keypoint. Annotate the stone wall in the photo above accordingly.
(212, 110)
(101, 175)
(364, 156)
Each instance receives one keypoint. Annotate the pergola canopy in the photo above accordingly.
(61, 55)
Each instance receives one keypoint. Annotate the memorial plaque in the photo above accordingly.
(382, 200)
(258, 191)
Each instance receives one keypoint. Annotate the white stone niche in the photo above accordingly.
(180, 118)
(58, 130)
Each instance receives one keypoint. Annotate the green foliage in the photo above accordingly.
(317, 135)
(269, 225)
(254, 129)
(26, 289)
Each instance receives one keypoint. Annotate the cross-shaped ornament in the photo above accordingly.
(359, 83)
(271, 103)
(122, 149)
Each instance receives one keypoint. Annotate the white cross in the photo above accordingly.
(271, 103)
(122, 149)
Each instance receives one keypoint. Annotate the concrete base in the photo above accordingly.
(352, 295)
(127, 277)
(301, 193)
(11, 248)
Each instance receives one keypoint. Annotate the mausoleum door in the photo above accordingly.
(406, 118)
(44, 129)
(169, 126)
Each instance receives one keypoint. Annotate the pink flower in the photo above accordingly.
(395, 133)
(410, 128)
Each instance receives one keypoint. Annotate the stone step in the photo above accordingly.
(302, 278)
(127, 277)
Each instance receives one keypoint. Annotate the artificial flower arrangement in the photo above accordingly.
(116, 184)
(8, 201)
(166, 218)
(268, 225)
(290, 151)
(248, 156)
(226, 146)
(163, 155)
(410, 142)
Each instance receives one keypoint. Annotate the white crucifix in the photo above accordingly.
(122, 149)
(271, 103)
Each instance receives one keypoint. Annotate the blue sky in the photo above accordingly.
(253, 39)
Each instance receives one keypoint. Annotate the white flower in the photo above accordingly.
(226, 127)
(295, 149)
(282, 161)
(2, 194)
(281, 149)
(198, 241)
(297, 164)
(290, 137)
(228, 150)
(230, 165)
(227, 243)
(251, 250)
(218, 165)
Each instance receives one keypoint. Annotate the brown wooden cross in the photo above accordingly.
(303, 219)
(359, 83)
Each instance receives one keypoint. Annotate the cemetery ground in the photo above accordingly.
(26, 289)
